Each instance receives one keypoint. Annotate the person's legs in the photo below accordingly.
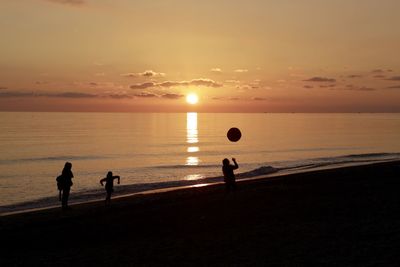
(108, 197)
(65, 196)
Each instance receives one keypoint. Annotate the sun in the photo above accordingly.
(192, 99)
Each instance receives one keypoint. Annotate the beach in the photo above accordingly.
(338, 217)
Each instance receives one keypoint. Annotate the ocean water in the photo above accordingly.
(157, 150)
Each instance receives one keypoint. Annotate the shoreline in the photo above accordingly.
(203, 183)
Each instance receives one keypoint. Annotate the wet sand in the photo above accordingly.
(341, 217)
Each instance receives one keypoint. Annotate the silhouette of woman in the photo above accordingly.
(64, 182)
(229, 176)
(109, 185)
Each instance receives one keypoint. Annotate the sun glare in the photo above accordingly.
(192, 99)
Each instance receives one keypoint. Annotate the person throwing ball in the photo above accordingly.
(109, 185)
(229, 176)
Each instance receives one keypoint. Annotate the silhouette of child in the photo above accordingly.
(229, 176)
(109, 185)
(64, 183)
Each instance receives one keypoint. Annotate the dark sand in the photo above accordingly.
(342, 217)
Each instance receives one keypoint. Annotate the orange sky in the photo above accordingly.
(238, 56)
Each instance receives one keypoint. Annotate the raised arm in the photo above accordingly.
(236, 165)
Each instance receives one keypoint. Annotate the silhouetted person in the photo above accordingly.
(109, 185)
(64, 183)
(229, 176)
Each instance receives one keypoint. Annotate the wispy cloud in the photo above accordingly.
(232, 81)
(394, 87)
(377, 71)
(241, 70)
(308, 86)
(259, 98)
(145, 95)
(72, 95)
(354, 76)
(216, 70)
(328, 86)
(172, 96)
(3, 88)
(394, 78)
(194, 82)
(41, 94)
(119, 96)
(379, 76)
(146, 73)
(143, 85)
(68, 2)
(363, 88)
(320, 79)
(16, 94)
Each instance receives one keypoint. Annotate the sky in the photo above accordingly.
(237, 56)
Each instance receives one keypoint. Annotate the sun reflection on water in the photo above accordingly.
(192, 161)
(192, 138)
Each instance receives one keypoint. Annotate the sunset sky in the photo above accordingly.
(237, 56)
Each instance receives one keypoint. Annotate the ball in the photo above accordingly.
(234, 134)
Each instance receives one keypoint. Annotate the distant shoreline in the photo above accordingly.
(194, 111)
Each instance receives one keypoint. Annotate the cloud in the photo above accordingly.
(68, 2)
(241, 70)
(172, 96)
(232, 81)
(41, 82)
(16, 94)
(243, 87)
(379, 76)
(3, 88)
(145, 95)
(320, 79)
(394, 87)
(216, 70)
(119, 96)
(308, 86)
(131, 75)
(150, 73)
(394, 78)
(354, 76)
(205, 82)
(72, 95)
(360, 89)
(377, 71)
(143, 85)
(194, 82)
(259, 98)
(328, 86)
(146, 73)
(39, 94)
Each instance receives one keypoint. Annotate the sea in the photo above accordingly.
(156, 151)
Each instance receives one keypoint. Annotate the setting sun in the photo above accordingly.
(192, 99)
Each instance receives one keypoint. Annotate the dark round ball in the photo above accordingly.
(234, 134)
